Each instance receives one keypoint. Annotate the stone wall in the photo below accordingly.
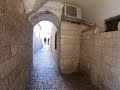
(52, 43)
(70, 47)
(15, 48)
(37, 41)
(99, 58)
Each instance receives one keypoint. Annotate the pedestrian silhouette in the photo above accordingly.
(48, 41)
(44, 40)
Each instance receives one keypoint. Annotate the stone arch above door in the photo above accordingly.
(48, 16)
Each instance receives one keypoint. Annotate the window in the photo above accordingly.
(112, 23)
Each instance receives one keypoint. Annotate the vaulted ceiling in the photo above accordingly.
(94, 11)
(34, 5)
(87, 6)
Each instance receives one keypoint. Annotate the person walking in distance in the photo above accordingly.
(48, 41)
(44, 41)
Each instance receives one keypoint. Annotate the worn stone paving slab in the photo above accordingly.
(45, 75)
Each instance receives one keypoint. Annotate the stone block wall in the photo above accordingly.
(70, 47)
(37, 41)
(100, 58)
(15, 48)
(52, 43)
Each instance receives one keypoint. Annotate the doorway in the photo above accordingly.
(44, 35)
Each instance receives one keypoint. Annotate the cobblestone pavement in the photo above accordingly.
(45, 75)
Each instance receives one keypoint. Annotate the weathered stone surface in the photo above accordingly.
(70, 47)
(99, 58)
(2, 6)
(5, 54)
(15, 48)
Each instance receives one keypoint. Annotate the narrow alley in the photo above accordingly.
(45, 75)
(59, 44)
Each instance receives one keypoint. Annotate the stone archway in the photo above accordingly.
(46, 15)
(51, 17)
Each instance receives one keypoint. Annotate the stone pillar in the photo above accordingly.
(70, 47)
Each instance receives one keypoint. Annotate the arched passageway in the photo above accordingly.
(45, 72)
(45, 66)
(44, 33)
(56, 26)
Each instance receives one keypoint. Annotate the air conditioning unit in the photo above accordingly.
(72, 13)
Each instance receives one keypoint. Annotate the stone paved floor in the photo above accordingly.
(45, 75)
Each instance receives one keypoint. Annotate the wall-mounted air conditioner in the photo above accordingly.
(71, 13)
